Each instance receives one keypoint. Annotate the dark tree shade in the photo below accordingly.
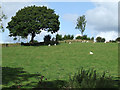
(31, 20)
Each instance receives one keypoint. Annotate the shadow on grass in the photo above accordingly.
(13, 77)
(51, 84)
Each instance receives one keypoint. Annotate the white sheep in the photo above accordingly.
(69, 42)
(91, 52)
(49, 45)
(87, 41)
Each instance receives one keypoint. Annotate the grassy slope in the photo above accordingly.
(57, 62)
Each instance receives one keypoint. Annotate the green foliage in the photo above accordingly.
(78, 37)
(90, 79)
(88, 38)
(68, 37)
(118, 39)
(31, 20)
(59, 37)
(84, 37)
(113, 41)
(35, 41)
(103, 40)
(15, 38)
(72, 37)
(92, 38)
(47, 39)
(100, 39)
(81, 24)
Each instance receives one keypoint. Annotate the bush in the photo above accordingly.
(103, 40)
(90, 79)
(84, 37)
(78, 37)
(88, 38)
(47, 39)
(100, 39)
(58, 37)
(35, 41)
(68, 37)
(92, 38)
(118, 39)
(113, 41)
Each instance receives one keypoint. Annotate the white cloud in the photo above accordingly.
(104, 17)
(109, 35)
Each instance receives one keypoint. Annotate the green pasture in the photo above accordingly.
(57, 62)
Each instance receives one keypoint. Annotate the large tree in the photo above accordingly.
(81, 23)
(31, 20)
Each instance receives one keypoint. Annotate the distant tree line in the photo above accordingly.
(100, 39)
(65, 37)
(71, 37)
(84, 37)
(116, 40)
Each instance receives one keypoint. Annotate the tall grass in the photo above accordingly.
(90, 79)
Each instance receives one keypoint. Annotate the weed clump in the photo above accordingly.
(90, 79)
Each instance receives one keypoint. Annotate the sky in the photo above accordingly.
(102, 18)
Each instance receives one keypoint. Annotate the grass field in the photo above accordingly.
(58, 62)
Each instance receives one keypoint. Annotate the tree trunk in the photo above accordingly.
(32, 38)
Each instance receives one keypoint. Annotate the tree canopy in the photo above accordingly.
(31, 20)
(81, 24)
(118, 39)
(100, 39)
